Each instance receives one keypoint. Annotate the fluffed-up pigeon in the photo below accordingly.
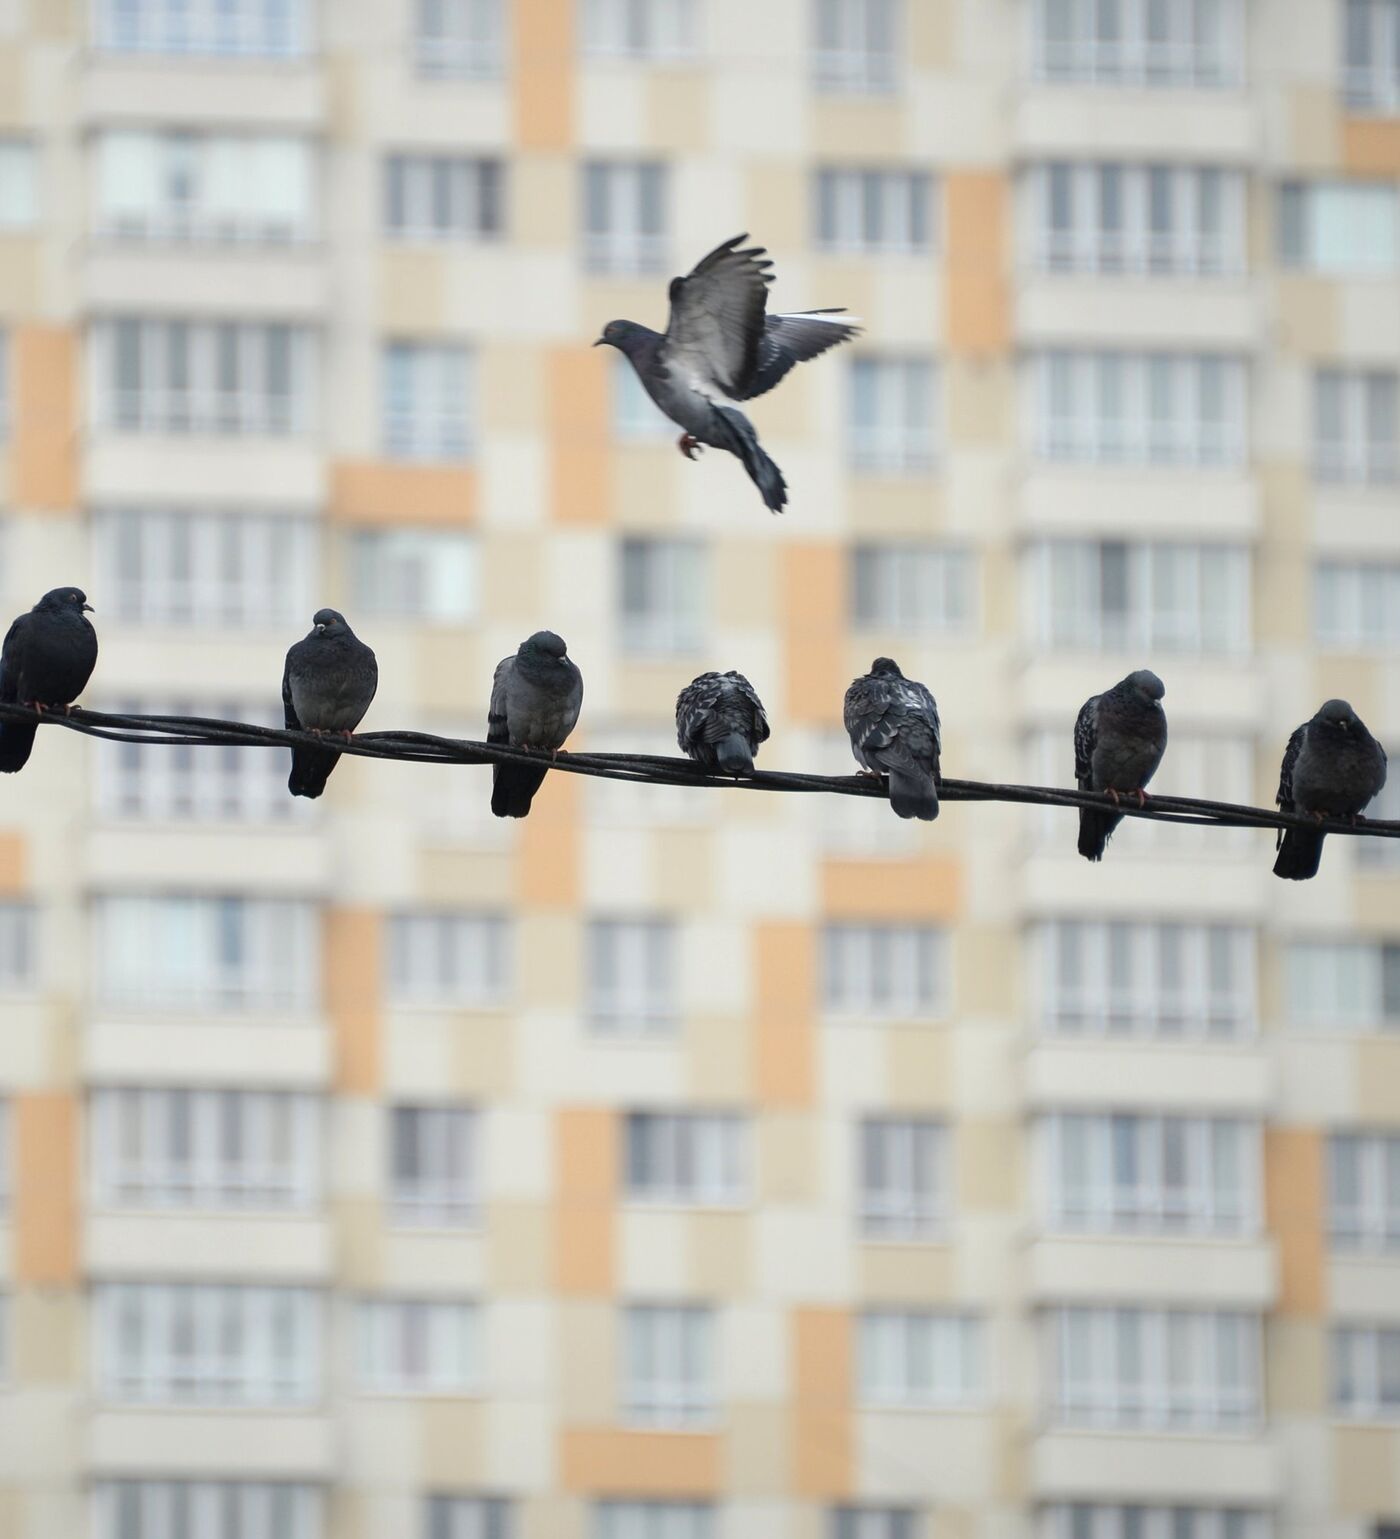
(46, 661)
(1119, 739)
(720, 722)
(720, 347)
(1332, 768)
(535, 700)
(894, 730)
(327, 685)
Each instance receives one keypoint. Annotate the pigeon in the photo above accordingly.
(46, 661)
(1119, 739)
(327, 685)
(720, 722)
(893, 723)
(1332, 767)
(720, 347)
(535, 700)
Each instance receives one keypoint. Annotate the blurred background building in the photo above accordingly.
(711, 1165)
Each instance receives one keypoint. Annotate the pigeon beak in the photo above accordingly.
(320, 630)
(88, 609)
(600, 341)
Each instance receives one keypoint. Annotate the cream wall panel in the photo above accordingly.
(653, 1254)
(207, 1052)
(269, 96)
(1241, 1471)
(1205, 1078)
(1240, 1274)
(1365, 1288)
(1223, 315)
(169, 1245)
(1181, 126)
(1215, 506)
(283, 284)
(271, 1445)
(36, 1442)
(803, 1257)
(296, 863)
(148, 468)
(946, 1456)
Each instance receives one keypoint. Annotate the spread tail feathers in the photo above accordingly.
(1095, 829)
(1299, 854)
(734, 756)
(762, 471)
(513, 788)
(311, 768)
(16, 741)
(913, 794)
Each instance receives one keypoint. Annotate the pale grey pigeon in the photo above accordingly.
(1119, 739)
(720, 347)
(535, 701)
(1332, 768)
(327, 684)
(46, 661)
(720, 722)
(894, 730)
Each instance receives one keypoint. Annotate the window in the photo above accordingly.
(207, 1509)
(442, 197)
(164, 1148)
(232, 568)
(1156, 43)
(663, 585)
(224, 378)
(249, 28)
(18, 946)
(855, 46)
(1131, 596)
(624, 217)
(903, 1178)
(1165, 1369)
(1364, 1191)
(418, 1346)
(636, 418)
(653, 1520)
(1350, 227)
(1356, 422)
(1382, 854)
(1120, 408)
(19, 196)
(894, 410)
(1111, 217)
(916, 1359)
(1366, 1371)
(873, 1523)
(632, 976)
(196, 954)
(873, 212)
(1081, 1520)
(459, 40)
(905, 585)
(668, 1367)
(433, 1161)
(448, 960)
(429, 401)
(1344, 985)
(1357, 609)
(659, 30)
(207, 1344)
(1149, 1174)
(1132, 978)
(173, 185)
(415, 574)
(1371, 55)
(689, 1159)
(885, 971)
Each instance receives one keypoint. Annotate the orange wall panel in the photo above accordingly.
(1295, 1207)
(44, 452)
(550, 848)
(1371, 146)
(585, 1183)
(610, 1460)
(977, 297)
(580, 436)
(875, 889)
(542, 51)
(46, 1189)
(824, 1441)
(386, 492)
(784, 1027)
(353, 993)
(814, 614)
(14, 863)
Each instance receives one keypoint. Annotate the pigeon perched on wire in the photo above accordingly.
(535, 700)
(47, 658)
(894, 731)
(720, 722)
(327, 684)
(1119, 739)
(1332, 768)
(720, 347)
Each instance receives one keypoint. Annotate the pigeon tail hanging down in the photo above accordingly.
(327, 684)
(1119, 739)
(720, 722)
(1332, 767)
(47, 658)
(894, 731)
(721, 347)
(535, 701)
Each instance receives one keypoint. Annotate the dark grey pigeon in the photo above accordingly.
(535, 700)
(1119, 739)
(327, 685)
(721, 347)
(893, 723)
(46, 661)
(1332, 768)
(720, 722)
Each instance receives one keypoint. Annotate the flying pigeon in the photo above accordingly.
(893, 723)
(1332, 767)
(720, 722)
(46, 661)
(1119, 739)
(720, 347)
(535, 700)
(327, 685)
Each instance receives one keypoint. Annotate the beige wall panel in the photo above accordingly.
(911, 507)
(1314, 126)
(1377, 1059)
(643, 486)
(464, 878)
(542, 59)
(1361, 680)
(758, 1451)
(511, 580)
(1296, 1369)
(789, 1168)
(587, 1332)
(979, 402)
(719, 1058)
(56, 20)
(1295, 1210)
(894, 1274)
(985, 984)
(482, 1050)
(814, 611)
(988, 1158)
(823, 1432)
(920, 1067)
(359, 1231)
(21, 259)
(46, 1336)
(720, 1247)
(977, 204)
(45, 1225)
(784, 1031)
(544, 201)
(1308, 315)
(855, 129)
(777, 203)
(513, 383)
(677, 111)
(586, 1182)
(684, 867)
(551, 961)
(14, 76)
(452, 1443)
(44, 432)
(609, 1460)
(519, 1248)
(1366, 1470)
(1371, 146)
(413, 284)
(581, 454)
(352, 989)
(744, 583)
(932, 34)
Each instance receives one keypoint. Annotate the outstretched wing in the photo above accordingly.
(717, 311)
(1086, 737)
(788, 340)
(1284, 798)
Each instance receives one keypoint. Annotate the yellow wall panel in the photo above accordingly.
(609, 1459)
(1294, 1198)
(585, 1184)
(889, 889)
(46, 1188)
(385, 492)
(823, 1435)
(1371, 146)
(352, 990)
(784, 1028)
(814, 612)
(977, 296)
(543, 52)
(44, 451)
(580, 436)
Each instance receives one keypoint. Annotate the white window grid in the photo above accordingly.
(917, 1359)
(868, 211)
(636, 418)
(903, 1178)
(1366, 1371)
(668, 1367)
(1364, 1191)
(884, 971)
(1382, 854)
(442, 197)
(662, 591)
(632, 966)
(1371, 55)
(855, 46)
(1171, 44)
(1356, 607)
(206, 1509)
(687, 1159)
(18, 946)
(413, 1346)
(433, 1165)
(873, 1523)
(614, 1519)
(223, 378)
(1356, 426)
(1342, 227)
(19, 188)
(909, 585)
(895, 414)
(429, 401)
(448, 960)
(1159, 1369)
(662, 31)
(625, 217)
(1145, 1173)
(278, 29)
(1140, 596)
(216, 1149)
(207, 1344)
(429, 575)
(1086, 1520)
(468, 1517)
(459, 39)
(1141, 978)
(1349, 986)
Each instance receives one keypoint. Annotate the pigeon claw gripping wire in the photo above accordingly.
(689, 446)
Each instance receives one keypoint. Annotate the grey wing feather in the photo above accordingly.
(12, 660)
(788, 340)
(1086, 736)
(289, 712)
(1284, 797)
(713, 335)
(760, 716)
(497, 730)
